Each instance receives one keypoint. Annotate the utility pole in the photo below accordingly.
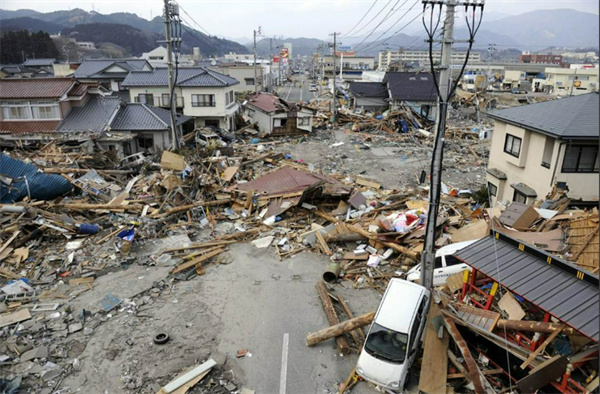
(255, 73)
(491, 50)
(167, 16)
(333, 101)
(270, 87)
(428, 256)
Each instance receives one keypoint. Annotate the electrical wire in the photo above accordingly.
(361, 19)
(374, 42)
(372, 19)
(386, 17)
(193, 20)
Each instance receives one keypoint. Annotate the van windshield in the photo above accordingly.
(387, 345)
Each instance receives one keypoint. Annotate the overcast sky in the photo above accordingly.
(291, 18)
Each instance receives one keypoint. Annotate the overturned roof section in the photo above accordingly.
(35, 88)
(142, 117)
(555, 285)
(93, 68)
(95, 115)
(186, 77)
(369, 89)
(573, 117)
(407, 86)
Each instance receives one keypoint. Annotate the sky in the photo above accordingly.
(293, 18)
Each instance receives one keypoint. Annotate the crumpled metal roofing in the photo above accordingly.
(27, 180)
(541, 278)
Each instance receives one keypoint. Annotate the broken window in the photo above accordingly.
(145, 142)
(512, 145)
(581, 158)
(519, 197)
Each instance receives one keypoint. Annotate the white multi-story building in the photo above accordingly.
(390, 58)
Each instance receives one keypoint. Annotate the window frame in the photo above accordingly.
(518, 193)
(576, 169)
(512, 145)
(492, 189)
(204, 103)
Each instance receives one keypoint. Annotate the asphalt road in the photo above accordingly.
(297, 91)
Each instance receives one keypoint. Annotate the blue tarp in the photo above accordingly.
(27, 176)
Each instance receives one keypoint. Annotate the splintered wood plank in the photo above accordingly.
(434, 367)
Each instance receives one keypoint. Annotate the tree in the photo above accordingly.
(20, 45)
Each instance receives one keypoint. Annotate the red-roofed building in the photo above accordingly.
(274, 115)
(33, 107)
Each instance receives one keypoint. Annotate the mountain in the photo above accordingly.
(538, 29)
(135, 41)
(300, 46)
(30, 24)
(64, 20)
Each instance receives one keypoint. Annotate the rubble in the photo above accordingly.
(75, 253)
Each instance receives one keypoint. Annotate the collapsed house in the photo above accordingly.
(274, 115)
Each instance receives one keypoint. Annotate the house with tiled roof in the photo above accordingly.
(109, 72)
(32, 108)
(205, 95)
(273, 115)
(371, 96)
(415, 90)
(536, 147)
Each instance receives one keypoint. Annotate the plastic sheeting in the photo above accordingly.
(19, 180)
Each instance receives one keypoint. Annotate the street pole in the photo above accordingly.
(333, 101)
(167, 16)
(270, 65)
(428, 256)
(255, 74)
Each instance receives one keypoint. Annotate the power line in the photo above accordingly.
(361, 19)
(372, 19)
(390, 13)
(193, 20)
(199, 38)
(402, 28)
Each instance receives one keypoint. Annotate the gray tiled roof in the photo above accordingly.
(188, 77)
(95, 115)
(39, 62)
(92, 68)
(369, 89)
(410, 86)
(565, 118)
(142, 117)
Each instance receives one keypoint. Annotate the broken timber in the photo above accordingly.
(339, 329)
(332, 317)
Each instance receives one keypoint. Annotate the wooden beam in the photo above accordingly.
(346, 309)
(339, 329)
(434, 366)
(332, 317)
(196, 261)
(541, 348)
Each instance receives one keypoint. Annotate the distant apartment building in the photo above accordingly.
(238, 57)
(89, 45)
(527, 57)
(352, 66)
(391, 58)
(571, 82)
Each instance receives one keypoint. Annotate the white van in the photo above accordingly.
(393, 339)
(446, 264)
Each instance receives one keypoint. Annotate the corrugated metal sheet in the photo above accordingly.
(34, 87)
(551, 283)
(94, 115)
(189, 77)
(34, 127)
(28, 180)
